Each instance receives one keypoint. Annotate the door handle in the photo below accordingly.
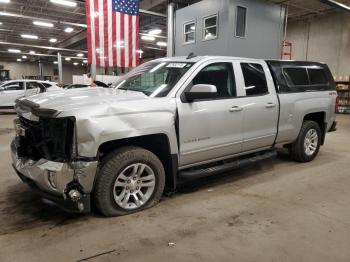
(236, 109)
(270, 105)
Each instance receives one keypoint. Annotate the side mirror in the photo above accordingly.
(201, 91)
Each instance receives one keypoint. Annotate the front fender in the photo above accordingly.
(94, 131)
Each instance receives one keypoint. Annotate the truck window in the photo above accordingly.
(296, 76)
(317, 76)
(154, 79)
(254, 79)
(219, 75)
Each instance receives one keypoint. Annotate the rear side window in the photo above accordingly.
(301, 79)
(47, 85)
(317, 76)
(254, 78)
(32, 85)
(296, 76)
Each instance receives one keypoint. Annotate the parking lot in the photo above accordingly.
(280, 209)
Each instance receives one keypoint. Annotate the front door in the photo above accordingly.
(211, 129)
(10, 92)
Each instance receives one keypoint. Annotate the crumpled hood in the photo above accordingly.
(66, 100)
(103, 115)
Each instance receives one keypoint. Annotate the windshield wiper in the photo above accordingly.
(135, 90)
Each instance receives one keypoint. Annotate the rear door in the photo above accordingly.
(210, 129)
(260, 113)
(33, 88)
(10, 92)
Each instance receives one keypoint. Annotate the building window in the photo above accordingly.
(210, 27)
(189, 32)
(241, 21)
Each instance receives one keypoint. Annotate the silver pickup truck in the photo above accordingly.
(167, 121)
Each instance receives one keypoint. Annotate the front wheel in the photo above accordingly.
(307, 145)
(131, 179)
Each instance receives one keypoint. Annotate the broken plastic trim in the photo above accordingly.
(27, 105)
(48, 138)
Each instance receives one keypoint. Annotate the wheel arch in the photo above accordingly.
(158, 144)
(320, 119)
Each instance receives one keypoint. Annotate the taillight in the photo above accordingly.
(337, 105)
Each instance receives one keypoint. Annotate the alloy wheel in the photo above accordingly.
(311, 142)
(134, 186)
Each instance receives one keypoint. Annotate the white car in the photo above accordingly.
(13, 89)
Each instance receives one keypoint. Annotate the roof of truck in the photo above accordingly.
(200, 58)
(196, 59)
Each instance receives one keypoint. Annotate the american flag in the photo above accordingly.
(113, 32)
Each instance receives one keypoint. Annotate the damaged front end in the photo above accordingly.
(44, 156)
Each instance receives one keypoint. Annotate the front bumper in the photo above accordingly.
(56, 181)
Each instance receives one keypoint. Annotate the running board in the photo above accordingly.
(227, 166)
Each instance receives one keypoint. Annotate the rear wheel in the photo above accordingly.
(131, 179)
(307, 145)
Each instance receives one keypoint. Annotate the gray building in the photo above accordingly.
(247, 28)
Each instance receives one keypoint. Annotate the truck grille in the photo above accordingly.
(49, 138)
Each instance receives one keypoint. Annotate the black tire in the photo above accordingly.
(297, 150)
(112, 165)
